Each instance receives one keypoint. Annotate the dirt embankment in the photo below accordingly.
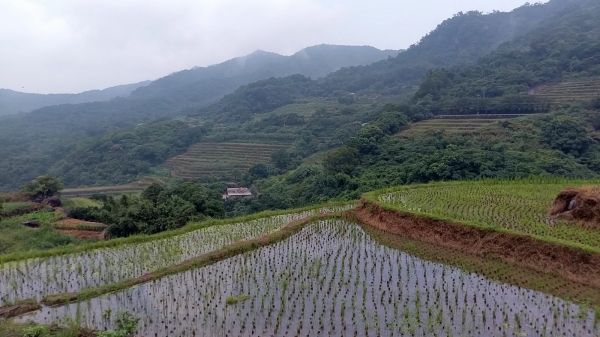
(570, 263)
(580, 205)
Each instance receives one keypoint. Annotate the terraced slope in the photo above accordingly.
(513, 206)
(220, 160)
(571, 91)
(133, 187)
(456, 123)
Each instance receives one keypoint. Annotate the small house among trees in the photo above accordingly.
(237, 192)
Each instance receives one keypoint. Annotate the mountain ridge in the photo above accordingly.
(15, 102)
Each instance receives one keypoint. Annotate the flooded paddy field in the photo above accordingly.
(39, 277)
(331, 279)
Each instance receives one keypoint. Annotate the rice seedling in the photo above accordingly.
(39, 277)
(332, 279)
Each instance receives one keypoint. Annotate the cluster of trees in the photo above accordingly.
(157, 209)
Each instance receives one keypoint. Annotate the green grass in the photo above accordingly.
(16, 238)
(80, 202)
(12, 206)
(519, 207)
(237, 299)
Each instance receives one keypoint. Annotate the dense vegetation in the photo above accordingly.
(159, 208)
(339, 131)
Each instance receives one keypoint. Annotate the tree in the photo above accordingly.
(566, 134)
(343, 159)
(42, 187)
(153, 192)
(259, 171)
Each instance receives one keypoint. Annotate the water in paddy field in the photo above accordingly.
(332, 279)
(39, 277)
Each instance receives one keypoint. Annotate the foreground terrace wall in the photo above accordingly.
(570, 263)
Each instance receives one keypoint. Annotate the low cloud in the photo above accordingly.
(74, 45)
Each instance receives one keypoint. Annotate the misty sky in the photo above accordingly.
(75, 45)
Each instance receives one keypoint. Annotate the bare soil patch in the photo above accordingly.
(19, 309)
(79, 229)
(82, 234)
(578, 204)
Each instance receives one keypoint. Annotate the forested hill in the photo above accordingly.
(462, 39)
(33, 142)
(12, 102)
(79, 143)
(459, 41)
(565, 47)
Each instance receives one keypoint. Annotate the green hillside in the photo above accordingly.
(33, 142)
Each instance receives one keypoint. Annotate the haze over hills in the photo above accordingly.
(203, 85)
(13, 102)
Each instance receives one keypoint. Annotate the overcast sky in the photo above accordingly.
(75, 45)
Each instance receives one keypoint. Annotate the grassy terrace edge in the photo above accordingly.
(372, 197)
(72, 249)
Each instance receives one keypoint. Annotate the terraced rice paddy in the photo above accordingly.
(456, 124)
(571, 91)
(220, 160)
(40, 277)
(331, 279)
(518, 206)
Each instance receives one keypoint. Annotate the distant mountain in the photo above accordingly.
(13, 102)
(203, 85)
(33, 141)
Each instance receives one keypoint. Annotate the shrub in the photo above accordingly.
(42, 187)
(35, 331)
(126, 326)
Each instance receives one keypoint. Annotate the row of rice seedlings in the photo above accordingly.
(37, 278)
(332, 279)
(517, 206)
